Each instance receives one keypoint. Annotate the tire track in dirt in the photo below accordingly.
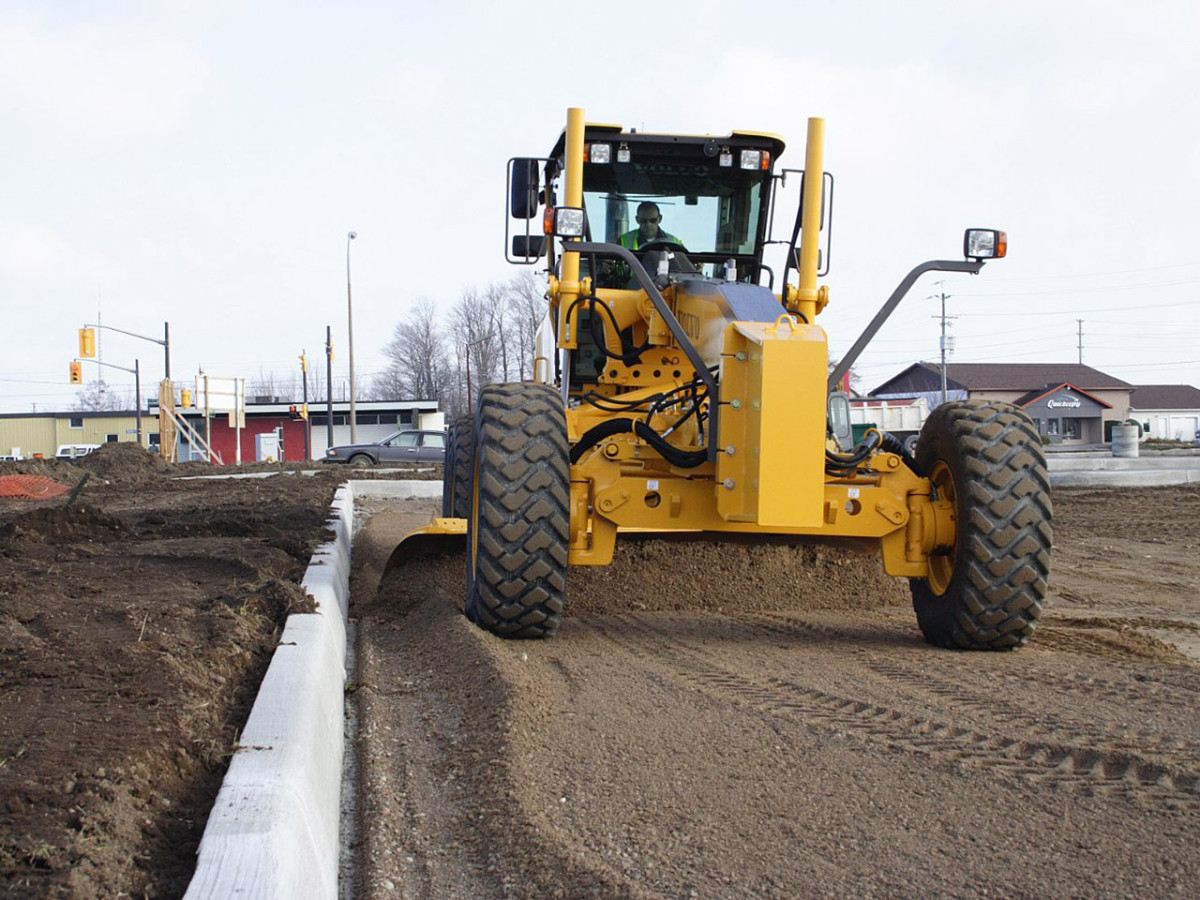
(1064, 760)
(1175, 691)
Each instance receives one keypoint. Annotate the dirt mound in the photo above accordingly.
(720, 576)
(62, 472)
(124, 463)
(135, 627)
(64, 523)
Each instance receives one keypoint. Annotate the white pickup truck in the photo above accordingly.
(70, 452)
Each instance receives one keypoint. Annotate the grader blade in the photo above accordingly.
(442, 535)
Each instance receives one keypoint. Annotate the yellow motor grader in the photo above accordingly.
(683, 385)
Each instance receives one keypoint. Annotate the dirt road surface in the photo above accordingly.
(739, 721)
(713, 721)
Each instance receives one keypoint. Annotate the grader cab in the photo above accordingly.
(682, 385)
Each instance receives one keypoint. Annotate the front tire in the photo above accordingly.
(518, 524)
(987, 591)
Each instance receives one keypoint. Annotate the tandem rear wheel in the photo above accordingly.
(987, 591)
(456, 472)
(518, 517)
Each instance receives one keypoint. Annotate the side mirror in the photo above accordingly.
(523, 188)
(529, 246)
(984, 243)
(838, 412)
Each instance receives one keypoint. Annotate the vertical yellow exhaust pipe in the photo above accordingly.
(573, 196)
(810, 219)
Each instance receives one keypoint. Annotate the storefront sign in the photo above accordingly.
(1066, 401)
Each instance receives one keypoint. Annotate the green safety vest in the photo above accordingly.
(630, 239)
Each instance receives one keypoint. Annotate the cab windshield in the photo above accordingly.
(707, 207)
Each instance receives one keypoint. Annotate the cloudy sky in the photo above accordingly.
(201, 163)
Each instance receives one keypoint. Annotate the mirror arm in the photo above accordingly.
(935, 265)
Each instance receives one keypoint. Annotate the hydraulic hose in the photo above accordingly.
(684, 459)
(893, 444)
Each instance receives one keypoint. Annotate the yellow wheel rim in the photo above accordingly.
(941, 564)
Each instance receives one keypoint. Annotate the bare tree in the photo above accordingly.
(97, 395)
(525, 308)
(316, 379)
(418, 367)
(477, 337)
(495, 296)
(853, 380)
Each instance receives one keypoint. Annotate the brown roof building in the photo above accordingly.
(1070, 403)
(1167, 411)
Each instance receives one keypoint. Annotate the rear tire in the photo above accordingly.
(987, 592)
(448, 470)
(518, 523)
(460, 467)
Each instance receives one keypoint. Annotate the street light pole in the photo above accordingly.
(137, 397)
(328, 386)
(350, 342)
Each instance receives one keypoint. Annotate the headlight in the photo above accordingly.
(566, 221)
(984, 243)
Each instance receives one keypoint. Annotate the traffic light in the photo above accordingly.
(294, 412)
(76, 372)
(185, 398)
(87, 342)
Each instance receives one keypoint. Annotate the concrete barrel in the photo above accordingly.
(1125, 440)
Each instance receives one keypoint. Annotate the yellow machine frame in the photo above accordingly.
(769, 474)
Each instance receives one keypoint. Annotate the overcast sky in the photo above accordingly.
(201, 163)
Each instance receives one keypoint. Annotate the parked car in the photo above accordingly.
(403, 446)
(71, 452)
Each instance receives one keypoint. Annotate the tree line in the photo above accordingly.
(486, 336)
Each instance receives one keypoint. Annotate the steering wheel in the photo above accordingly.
(673, 246)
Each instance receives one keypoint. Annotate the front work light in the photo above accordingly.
(984, 243)
(600, 153)
(566, 221)
(756, 159)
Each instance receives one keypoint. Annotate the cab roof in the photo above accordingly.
(758, 140)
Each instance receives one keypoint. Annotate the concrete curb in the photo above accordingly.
(1109, 478)
(1109, 471)
(273, 830)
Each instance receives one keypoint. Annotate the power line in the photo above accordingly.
(1107, 289)
(1189, 265)
(1068, 312)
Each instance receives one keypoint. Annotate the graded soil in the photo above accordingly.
(713, 720)
(731, 720)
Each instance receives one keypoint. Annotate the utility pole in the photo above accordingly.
(943, 295)
(351, 235)
(304, 379)
(1080, 321)
(136, 371)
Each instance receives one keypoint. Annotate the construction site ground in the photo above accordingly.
(713, 720)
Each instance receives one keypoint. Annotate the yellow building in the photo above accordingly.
(42, 434)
